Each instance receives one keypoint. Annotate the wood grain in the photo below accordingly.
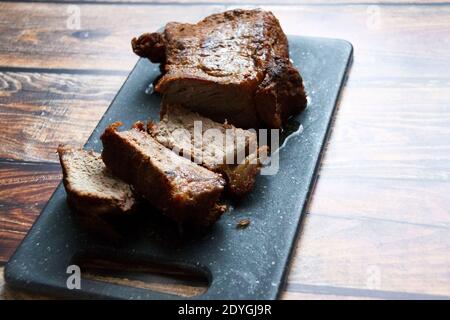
(378, 222)
(389, 42)
(397, 41)
(38, 111)
(366, 254)
(24, 190)
(39, 30)
(420, 202)
(288, 295)
(260, 2)
(395, 130)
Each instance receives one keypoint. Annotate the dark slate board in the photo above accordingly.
(240, 264)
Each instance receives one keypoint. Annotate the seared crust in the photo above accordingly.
(226, 65)
(242, 177)
(281, 94)
(182, 190)
(151, 46)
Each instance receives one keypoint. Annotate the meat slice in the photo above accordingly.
(230, 66)
(221, 148)
(91, 189)
(181, 189)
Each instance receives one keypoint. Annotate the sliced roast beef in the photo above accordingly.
(181, 189)
(91, 189)
(221, 148)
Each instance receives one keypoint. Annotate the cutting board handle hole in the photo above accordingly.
(183, 281)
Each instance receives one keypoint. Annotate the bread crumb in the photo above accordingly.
(242, 224)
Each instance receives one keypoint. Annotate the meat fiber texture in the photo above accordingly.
(219, 147)
(91, 188)
(232, 66)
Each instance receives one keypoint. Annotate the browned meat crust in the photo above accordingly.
(230, 66)
(181, 189)
(280, 94)
(150, 45)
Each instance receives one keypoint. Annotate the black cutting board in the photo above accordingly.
(245, 263)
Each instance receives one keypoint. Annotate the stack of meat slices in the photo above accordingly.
(226, 74)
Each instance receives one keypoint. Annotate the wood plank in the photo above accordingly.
(38, 111)
(388, 156)
(24, 190)
(261, 2)
(371, 258)
(398, 116)
(395, 132)
(287, 295)
(30, 34)
(409, 201)
(389, 41)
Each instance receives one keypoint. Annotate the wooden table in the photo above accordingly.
(378, 224)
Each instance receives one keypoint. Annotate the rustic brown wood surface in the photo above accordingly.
(378, 223)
